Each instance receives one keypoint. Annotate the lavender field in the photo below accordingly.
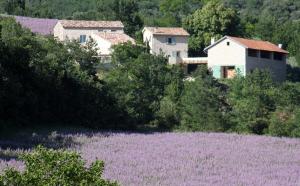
(190, 159)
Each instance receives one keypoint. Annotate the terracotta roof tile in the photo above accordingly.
(115, 38)
(258, 45)
(173, 31)
(91, 24)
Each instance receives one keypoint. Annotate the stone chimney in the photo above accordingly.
(280, 45)
(212, 40)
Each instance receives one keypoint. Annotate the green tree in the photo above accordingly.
(55, 167)
(123, 10)
(213, 20)
(202, 105)
(176, 10)
(285, 122)
(14, 7)
(138, 82)
(251, 100)
(42, 82)
(168, 115)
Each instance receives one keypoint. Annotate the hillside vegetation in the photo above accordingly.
(44, 81)
(273, 20)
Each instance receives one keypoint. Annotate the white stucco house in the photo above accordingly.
(106, 40)
(231, 55)
(170, 41)
(82, 30)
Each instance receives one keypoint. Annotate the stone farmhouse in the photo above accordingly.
(104, 33)
(82, 30)
(225, 57)
(171, 42)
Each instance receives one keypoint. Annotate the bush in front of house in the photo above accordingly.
(285, 122)
(55, 167)
(202, 104)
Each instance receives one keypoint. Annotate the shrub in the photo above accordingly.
(201, 104)
(285, 122)
(55, 167)
(251, 100)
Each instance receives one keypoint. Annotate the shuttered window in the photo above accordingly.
(82, 38)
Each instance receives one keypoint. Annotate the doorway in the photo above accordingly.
(228, 72)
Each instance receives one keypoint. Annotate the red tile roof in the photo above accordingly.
(172, 31)
(91, 24)
(258, 45)
(115, 38)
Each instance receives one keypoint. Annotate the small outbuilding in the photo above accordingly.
(231, 55)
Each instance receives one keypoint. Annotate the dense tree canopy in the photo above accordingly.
(45, 81)
(214, 20)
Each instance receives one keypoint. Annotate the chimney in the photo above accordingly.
(212, 41)
(280, 45)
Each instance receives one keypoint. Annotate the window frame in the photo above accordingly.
(253, 50)
(82, 38)
(264, 56)
(278, 56)
(172, 39)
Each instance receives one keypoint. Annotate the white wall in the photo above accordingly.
(103, 46)
(158, 44)
(148, 38)
(223, 55)
(59, 31)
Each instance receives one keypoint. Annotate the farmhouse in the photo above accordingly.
(231, 55)
(82, 30)
(171, 42)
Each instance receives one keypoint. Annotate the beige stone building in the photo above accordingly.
(106, 40)
(82, 30)
(231, 55)
(171, 42)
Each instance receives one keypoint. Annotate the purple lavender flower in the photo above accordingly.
(37, 25)
(193, 159)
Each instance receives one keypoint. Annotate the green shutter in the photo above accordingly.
(240, 69)
(216, 71)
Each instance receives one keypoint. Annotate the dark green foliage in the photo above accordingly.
(138, 82)
(201, 102)
(285, 122)
(168, 115)
(55, 167)
(213, 20)
(251, 100)
(42, 81)
(126, 11)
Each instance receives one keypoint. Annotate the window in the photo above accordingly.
(228, 43)
(82, 39)
(171, 40)
(178, 53)
(265, 54)
(278, 56)
(252, 53)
